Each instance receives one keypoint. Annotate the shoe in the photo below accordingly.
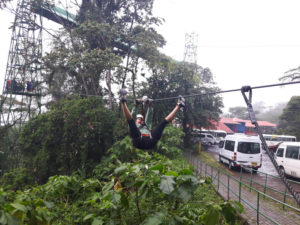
(123, 93)
(181, 101)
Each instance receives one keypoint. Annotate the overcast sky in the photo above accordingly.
(242, 42)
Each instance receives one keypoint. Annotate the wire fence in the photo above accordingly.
(260, 206)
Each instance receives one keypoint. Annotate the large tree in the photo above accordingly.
(72, 136)
(109, 44)
(169, 79)
(290, 119)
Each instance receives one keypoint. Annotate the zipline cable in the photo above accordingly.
(226, 91)
(208, 93)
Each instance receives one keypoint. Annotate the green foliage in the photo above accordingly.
(17, 179)
(170, 142)
(73, 135)
(129, 186)
(290, 119)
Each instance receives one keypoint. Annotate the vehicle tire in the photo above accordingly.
(282, 170)
(230, 166)
(220, 160)
(209, 144)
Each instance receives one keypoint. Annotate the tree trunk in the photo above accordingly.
(108, 83)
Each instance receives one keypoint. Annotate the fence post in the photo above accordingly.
(265, 188)
(284, 198)
(211, 172)
(228, 188)
(257, 208)
(251, 180)
(205, 169)
(218, 179)
(240, 191)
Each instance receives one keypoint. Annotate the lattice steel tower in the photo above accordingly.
(21, 95)
(22, 83)
(190, 48)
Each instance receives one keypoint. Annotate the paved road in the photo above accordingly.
(269, 209)
(263, 175)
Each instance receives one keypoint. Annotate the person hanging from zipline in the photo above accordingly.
(140, 129)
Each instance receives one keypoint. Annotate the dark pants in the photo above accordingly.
(143, 142)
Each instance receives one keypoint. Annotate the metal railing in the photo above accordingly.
(254, 200)
(265, 188)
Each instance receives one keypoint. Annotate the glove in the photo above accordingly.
(181, 101)
(123, 93)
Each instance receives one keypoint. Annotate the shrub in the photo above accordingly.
(73, 135)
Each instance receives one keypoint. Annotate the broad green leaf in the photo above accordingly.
(19, 207)
(167, 184)
(172, 173)
(160, 167)
(3, 219)
(238, 206)
(11, 220)
(49, 205)
(186, 172)
(185, 193)
(115, 197)
(229, 213)
(212, 215)
(136, 168)
(87, 217)
(98, 221)
(155, 219)
(120, 169)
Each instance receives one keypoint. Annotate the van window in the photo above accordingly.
(292, 152)
(229, 145)
(249, 147)
(279, 152)
(209, 136)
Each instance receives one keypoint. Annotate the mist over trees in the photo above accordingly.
(290, 118)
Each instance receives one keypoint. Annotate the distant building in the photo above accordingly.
(236, 125)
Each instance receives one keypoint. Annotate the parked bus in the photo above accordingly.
(218, 134)
(273, 140)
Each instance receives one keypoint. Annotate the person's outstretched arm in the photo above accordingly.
(171, 116)
(180, 103)
(126, 111)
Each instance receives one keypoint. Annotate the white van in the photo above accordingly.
(241, 151)
(287, 157)
(207, 139)
(204, 138)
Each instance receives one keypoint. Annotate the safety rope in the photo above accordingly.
(248, 101)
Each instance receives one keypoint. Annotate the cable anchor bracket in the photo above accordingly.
(248, 101)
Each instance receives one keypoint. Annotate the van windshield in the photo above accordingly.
(249, 147)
